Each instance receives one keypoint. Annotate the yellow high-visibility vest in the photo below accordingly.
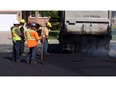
(42, 32)
(15, 34)
(29, 35)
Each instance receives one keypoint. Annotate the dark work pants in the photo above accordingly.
(22, 45)
(32, 53)
(45, 46)
(16, 50)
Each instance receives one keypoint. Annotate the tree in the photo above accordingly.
(52, 14)
(54, 18)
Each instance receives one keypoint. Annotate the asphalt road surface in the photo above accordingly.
(58, 64)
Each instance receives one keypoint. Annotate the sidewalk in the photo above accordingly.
(5, 37)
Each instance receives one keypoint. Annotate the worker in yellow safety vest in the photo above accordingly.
(16, 39)
(21, 27)
(45, 35)
(48, 25)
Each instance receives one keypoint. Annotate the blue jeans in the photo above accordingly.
(45, 46)
(22, 45)
(32, 53)
(16, 50)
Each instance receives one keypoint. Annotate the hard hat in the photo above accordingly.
(49, 24)
(33, 24)
(16, 22)
(22, 21)
(37, 25)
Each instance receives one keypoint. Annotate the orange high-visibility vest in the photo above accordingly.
(32, 38)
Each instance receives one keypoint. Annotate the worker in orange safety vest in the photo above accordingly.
(32, 42)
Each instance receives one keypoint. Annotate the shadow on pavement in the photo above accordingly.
(8, 58)
(54, 48)
(58, 64)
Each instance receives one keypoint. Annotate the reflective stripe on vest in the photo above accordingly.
(43, 33)
(15, 35)
(29, 35)
(23, 28)
(20, 26)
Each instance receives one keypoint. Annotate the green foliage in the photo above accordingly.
(53, 34)
(56, 25)
(49, 13)
(114, 27)
(52, 14)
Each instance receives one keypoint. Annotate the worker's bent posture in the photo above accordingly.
(32, 42)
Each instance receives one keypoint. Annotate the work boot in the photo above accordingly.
(33, 62)
(28, 62)
(18, 60)
(23, 54)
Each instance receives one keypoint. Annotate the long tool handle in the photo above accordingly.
(42, 47)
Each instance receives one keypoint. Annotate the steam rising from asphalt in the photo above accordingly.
(101, 52)
(112, 52)
(98, 53)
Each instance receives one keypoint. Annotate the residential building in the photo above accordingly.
(34, 16)
(7, 18)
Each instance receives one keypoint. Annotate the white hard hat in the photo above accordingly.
(16, 22)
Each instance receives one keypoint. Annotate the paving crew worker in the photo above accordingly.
(16, 41)
(39, 30)
(12, 28)
(48, 25)
(21, 27)
(32, 42)
(45, 34)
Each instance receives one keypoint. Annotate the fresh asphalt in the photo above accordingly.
(58, 64)
(11, 68)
